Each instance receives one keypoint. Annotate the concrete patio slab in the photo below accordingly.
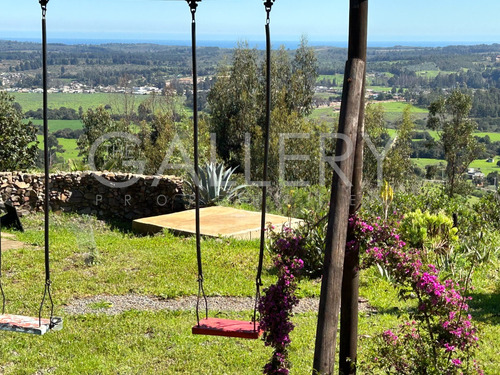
(214, 222)
(9, 242)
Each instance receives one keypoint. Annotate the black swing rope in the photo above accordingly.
(258, 280)
(47, 289)
(1, 286)
(193, 4)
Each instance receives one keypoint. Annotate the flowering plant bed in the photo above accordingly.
(440, 337)
(277, 303)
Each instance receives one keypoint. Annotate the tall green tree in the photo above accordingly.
(237, 99)
(304, 76)
(398, 167)
(376, 138)
(450, 116)
(18, 141)
(236, 103)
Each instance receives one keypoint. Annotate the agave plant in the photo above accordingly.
(214, 183)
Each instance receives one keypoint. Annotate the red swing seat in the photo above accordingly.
(28, 324)
(228, 328)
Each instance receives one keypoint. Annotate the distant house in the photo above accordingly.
(475, 174)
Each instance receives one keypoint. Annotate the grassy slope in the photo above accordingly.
(160, 342)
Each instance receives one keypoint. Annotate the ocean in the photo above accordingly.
(260, 44)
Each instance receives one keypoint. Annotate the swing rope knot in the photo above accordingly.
(268, 4)
(193, 4)
(43, 4)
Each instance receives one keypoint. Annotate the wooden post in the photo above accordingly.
(329, 305)
(358, 24)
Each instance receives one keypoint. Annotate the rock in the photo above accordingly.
(21, 185)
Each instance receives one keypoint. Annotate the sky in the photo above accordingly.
(433, 21)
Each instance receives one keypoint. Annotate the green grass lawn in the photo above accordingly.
(138, 342)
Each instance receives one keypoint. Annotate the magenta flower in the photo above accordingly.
(277, 303)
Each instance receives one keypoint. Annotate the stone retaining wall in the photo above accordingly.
(109, 195)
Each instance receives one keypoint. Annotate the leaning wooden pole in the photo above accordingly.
(358, 25)
(329, 305)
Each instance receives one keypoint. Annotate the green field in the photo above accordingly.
(326, 114)
(55, 125)
(494, 137)
(400, 106)
(423, 162)
(433, 73)
(393, 110)
(485, 167)
(379, 88)
(31, 101)
(68, 144)
(338, 77)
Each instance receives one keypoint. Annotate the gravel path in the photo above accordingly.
(113, 305)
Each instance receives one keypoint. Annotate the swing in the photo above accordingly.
(27, 324)
(216, 326)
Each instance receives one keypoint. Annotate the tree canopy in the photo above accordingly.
(18, 140)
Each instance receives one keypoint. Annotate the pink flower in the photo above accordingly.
(456, 361)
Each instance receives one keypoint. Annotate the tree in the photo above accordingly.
(18, 140)
(237, 99)
(397, 165)
(450, 116)
(303, 80)
(375, 137)
(54, 149)
(112, 152)
(234, 103)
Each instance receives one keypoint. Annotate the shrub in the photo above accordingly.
(311, 246)
(431, 231)
(277, 303)
(439, 337)
(215, 183)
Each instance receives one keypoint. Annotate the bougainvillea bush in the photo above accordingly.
(276, 305)
(439, 336)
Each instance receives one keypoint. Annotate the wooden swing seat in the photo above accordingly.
(228, 328)
(28, 324)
